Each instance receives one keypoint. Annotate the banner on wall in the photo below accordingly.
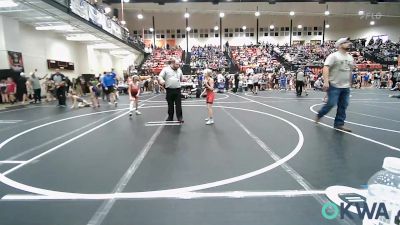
(95, 16)
(116, 30)
(80, 8)
(15, 60)
(107, 24)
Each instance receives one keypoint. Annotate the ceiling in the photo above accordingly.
(241, 1)
(37, 13)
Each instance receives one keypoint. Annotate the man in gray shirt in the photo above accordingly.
(299, 81)
(35, 80)
(337, 81)
(171, 76)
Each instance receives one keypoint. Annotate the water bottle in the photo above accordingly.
(384, 187)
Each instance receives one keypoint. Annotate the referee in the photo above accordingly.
(171, 77)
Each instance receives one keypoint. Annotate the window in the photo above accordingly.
(168, 31)
(135, 32)
(315, 28)
(276, 34)
(309, 33)
(201, 35)
(162, 36)
(230, 34)
(282, 29)
(320, 33)
(226, 35)
(196, 31)
(226, 30)
(265, 34)
(173, 36)
(294, 33)
(298, 33)
(237, 30)
(183, 36)
(178, 31)
(261, 29)
(287, 29)
(216, 35)
(251, 34)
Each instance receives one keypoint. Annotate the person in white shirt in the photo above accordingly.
(256, 85)
(171, 76)
(337, 71)
(299, 81)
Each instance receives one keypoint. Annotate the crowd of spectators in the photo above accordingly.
(210, 56)
(159, 58)
(383, 52)
(257, 59)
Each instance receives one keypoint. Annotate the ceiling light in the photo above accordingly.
(188, 29)
(327, 13)
(107, 9)
(257, 13)
(184, 0)
(140, 16)
(126, 1)
(123, 22)
(244, 27)
(291, 13)
(299, 26)
(7, 4)
(271, 27)
(327, 26)
(151, 29)
(372, 23)
(221, 14)
(187, 15)
(82, 37)
(360, 12)
(216, 28)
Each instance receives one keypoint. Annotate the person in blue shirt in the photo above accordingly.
(108, 83)
(283, 81)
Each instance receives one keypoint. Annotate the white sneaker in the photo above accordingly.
(209, 122)
(138, 113)
(116, 104)
(207, 119)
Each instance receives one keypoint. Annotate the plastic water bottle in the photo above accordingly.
(384, 187)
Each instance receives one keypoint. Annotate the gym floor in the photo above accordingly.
(264, 161)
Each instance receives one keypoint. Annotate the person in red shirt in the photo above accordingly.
(134, 91)
(209, 90)
(11, 90)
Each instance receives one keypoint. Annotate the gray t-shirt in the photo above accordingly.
(35, 83)
(340, 67)
(300, 76)
(172, 77)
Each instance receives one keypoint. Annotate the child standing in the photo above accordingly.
(95, 93)
(134, 91)
(209, 90)
(3, 90)
(11, 90)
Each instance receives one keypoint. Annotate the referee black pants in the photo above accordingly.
(174, 99)
(299, 87)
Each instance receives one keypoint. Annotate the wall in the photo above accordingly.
(39, 46)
